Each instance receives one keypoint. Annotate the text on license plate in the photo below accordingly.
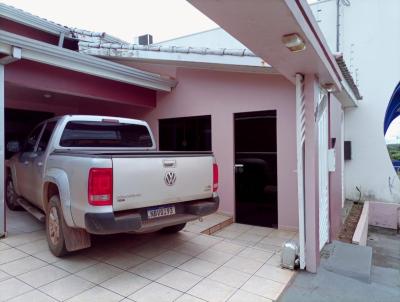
(160, 212)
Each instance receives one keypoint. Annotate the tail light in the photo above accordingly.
(100, 186)
(215, 177)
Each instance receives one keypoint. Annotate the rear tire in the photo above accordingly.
(173, 228)
(11, 195)
(54, 229)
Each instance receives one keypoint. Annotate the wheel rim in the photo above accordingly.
(54, 226)
(10, 192)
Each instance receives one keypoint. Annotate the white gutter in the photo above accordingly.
(226, 62)
(45, 53)
(300, 140)
(19, 16)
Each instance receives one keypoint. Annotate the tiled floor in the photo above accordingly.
(238, 264)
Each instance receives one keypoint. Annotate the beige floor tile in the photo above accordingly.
(206, 240)
(99, 272)
(282, 234)
(11, 255)
(245, 265)
(268, 247)
(148, 251)
(227, 234)
(238, 227)
(33, 296)
(97, 294)
(278, 241)
(4, 276)
(256, 254)
(264, 287)
(47, 256)
(151, 269)
(215, 256)
(17, 240)
(124, 260)
(11, 288)
(243, 296)
(172, 258)
(229, 276)
(4, 246)
(275, 260)
(211, 291)
(179, 280)
(155, 292)
(188, 298)
(228, 247)
(262, 231)
(66, 288)
(275, 273)
(74, 263)
(125, 283)
(43, 275)
(34, 247)
(199, 267)
(190, 248)
(22, 265)
(250, 238)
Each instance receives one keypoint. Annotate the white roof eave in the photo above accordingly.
(57, 56)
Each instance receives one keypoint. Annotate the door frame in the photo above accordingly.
(234, 158)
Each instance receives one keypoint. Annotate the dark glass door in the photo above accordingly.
(256, 168)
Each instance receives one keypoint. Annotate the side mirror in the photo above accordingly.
(13, 146)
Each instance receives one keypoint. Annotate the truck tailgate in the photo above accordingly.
(151, 181)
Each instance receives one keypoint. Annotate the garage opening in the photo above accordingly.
(256, 168)
(19, 123)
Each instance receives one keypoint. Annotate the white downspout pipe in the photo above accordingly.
(300, 140)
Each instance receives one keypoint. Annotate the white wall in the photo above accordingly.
(370, 41)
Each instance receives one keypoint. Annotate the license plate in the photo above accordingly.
(160, 212)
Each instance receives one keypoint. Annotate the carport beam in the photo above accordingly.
(2, 216)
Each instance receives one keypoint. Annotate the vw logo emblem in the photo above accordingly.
(170, 178)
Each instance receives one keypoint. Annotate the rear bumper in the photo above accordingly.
(137, 221)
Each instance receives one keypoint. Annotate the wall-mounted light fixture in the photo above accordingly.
(294, 42)
(329, 87)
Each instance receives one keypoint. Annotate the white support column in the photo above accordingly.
(300, 129)
(2, 148)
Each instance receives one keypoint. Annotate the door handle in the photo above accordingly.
(40, 164)
(239, 165)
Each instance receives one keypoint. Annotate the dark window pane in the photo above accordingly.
(185, 134)
(47, 132)
(105, 134)
(30, 143)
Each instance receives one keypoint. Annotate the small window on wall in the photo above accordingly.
(185, 134)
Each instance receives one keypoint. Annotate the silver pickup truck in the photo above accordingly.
(102, 175)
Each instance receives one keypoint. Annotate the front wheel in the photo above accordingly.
(54, 232)
(173, 228)
(11, 195)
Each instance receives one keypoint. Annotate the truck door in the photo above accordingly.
(25, 160)
(37, 166)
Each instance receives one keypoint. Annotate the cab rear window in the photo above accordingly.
(105, 134)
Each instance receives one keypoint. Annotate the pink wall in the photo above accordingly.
(221, 94)
(335, 188)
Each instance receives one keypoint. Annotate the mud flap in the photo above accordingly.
(75, 239)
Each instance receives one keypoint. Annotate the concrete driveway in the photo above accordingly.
(239, 263)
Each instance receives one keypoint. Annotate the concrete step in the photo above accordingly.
(350, 260)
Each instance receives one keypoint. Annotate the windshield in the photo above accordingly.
(105, 134)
